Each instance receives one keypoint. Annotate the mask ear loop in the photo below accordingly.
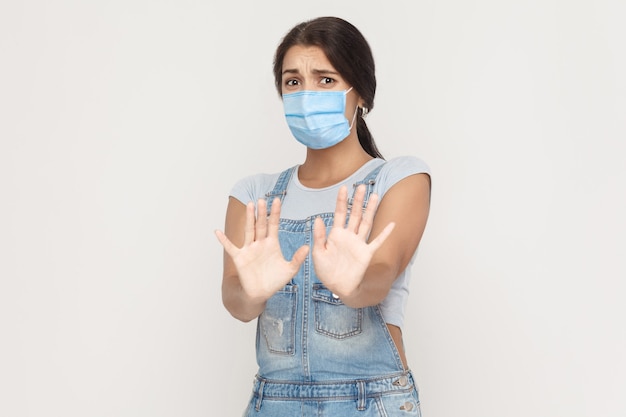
(355, 110)
(354, 117)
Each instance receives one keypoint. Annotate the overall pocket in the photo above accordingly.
(277, 323)
(332, 317)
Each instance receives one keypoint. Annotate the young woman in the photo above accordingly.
(320, 253)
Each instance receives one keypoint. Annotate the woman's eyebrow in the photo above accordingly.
(325, 71)
(315, 71)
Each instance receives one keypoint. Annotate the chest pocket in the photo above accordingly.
(332, 317)
(277, 323)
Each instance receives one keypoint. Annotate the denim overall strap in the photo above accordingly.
(369, 181)
(280, 188)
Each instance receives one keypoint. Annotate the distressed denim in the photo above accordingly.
(317, 356)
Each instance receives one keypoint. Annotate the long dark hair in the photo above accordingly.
(350, 54)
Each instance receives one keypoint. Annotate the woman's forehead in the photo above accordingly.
(299, 55)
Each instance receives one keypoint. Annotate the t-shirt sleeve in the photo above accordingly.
(253, 187)
(397, 169)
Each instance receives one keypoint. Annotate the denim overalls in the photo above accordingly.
(318, 357)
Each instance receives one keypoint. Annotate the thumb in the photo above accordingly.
(382, 236)
(299, 257)
(226, 243)
(319, 233)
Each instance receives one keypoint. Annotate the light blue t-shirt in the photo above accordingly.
(303, 202)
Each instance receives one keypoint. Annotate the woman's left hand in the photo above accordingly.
(341, 258)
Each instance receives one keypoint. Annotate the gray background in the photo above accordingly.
(123, 124)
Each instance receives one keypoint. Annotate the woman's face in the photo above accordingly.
(307, 68)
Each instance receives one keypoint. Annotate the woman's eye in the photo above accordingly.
(291, 83)
(327, 80)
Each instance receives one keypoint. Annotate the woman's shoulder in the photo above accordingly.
(401, 167)
(253, 187)
(398, 168)
(408, 164)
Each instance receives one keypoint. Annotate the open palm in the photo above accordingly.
(260, 264)
(341, 258)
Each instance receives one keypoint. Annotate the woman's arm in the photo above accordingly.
(234, 298)
(406, 205)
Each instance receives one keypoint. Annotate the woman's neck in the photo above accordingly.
(325, 167)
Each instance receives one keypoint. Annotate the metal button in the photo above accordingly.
(407, 406)
(401, 382)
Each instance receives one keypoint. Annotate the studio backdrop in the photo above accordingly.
(124, 125)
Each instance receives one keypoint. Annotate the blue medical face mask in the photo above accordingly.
(317, 118)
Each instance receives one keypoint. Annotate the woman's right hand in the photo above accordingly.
(261, 268)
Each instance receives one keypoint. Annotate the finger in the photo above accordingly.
(261, 219)
(382, 236)
(229, 247)
(319, 234)
(274, 220)
(248, 233)
(341, 208)
(299, 257)
(357, 209)
(368, 216)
